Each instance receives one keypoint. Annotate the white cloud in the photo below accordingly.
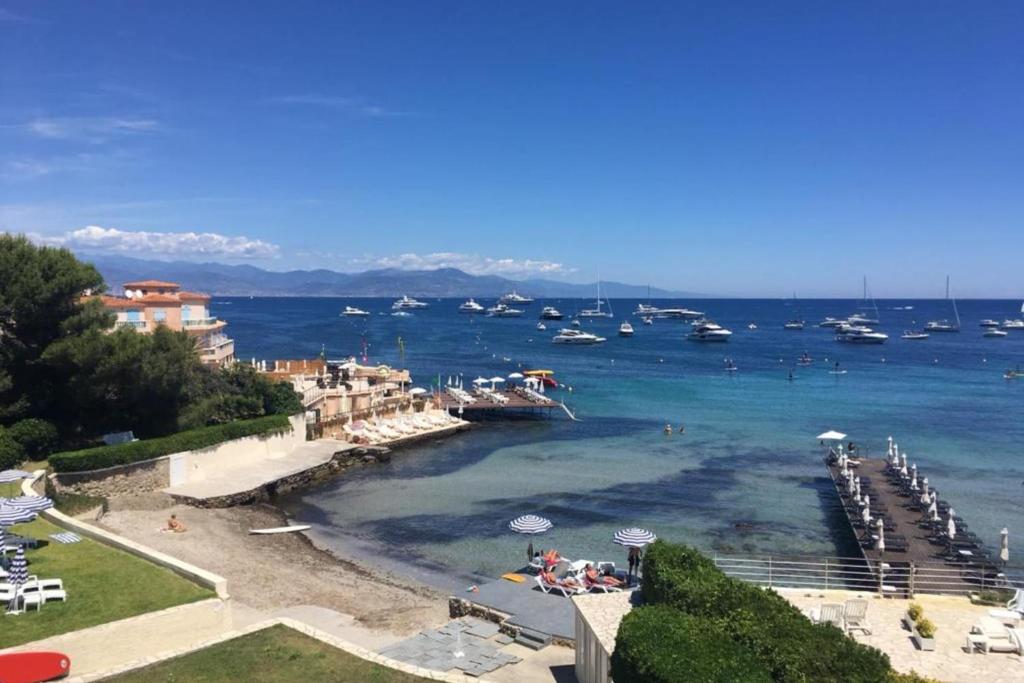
(470, 263)
(88, 129)
(177, 244)
(352, 105)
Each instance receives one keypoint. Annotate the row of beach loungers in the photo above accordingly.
(532, 395)
(380, 431)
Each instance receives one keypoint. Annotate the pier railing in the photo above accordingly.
(899, 579)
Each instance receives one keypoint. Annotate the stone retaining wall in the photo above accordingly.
(137, 477)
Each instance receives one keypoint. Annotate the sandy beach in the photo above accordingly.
(277, 571)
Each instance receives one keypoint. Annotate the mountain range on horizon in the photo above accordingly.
(247, 280)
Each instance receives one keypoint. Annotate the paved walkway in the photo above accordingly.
(528, 606)
(953, 616)
(249, 476)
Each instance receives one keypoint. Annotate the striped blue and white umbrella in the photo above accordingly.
(530, 524)
(10, 515)
(32, 503)
(8, 476)
(634, 538)
(17, 575)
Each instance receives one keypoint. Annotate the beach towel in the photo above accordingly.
(66, 537)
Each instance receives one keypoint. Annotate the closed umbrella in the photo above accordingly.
(17, 575)
(888, 452)
(933, 510)
(865, 514)
(867, 501)
(924, 491)
(634, 538)
(1004, 545)
(951, 527)
(880, 543)
(856, 487)
(913, 477)
(849, 485)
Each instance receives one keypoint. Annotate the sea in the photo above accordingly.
(746, 477)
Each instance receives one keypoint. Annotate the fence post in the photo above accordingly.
(913, 573)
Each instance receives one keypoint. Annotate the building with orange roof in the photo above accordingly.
(148, 304)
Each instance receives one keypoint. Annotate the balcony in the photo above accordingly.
(134, 324)
(200, 322)
(218, 350)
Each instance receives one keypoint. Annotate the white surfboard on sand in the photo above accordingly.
(280, 529)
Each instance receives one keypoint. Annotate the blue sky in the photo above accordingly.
(749, 149)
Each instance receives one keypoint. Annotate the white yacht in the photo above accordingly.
(597, 311)
(993, 332)
(858, 334)
(402, 314)
(709, 331)
(945, 325)
(988, 322)
(752, 326)
(625, 329)
(515, 297)
(407, 303)
(912, 335)
(1012, 325)
(541, 327)
(471, 306)
(503, 311)
(573, 336)
(794, 324)
(831, 322)
(352, 312)
(550, 313)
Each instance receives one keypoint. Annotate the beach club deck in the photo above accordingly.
(917, 555)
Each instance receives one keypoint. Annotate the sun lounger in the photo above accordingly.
(599, 586)
(560, 586)
(1013, 612)
(855, 616)
(828, 613)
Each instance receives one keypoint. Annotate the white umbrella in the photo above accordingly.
(880, 543)
(449, 381)
(1004, 545)
(933, 510)
(481, 380)
(951, 528)
(416, 391)
(913, 477)
(496, 380)
(831, 435)
(515, 375)
(856, 487)
(888, 451)
(540, 387)
(924, 491)
(865, 514)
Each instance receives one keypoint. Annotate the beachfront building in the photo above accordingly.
(147, 304)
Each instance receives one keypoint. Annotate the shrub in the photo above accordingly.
(925, 628)
(659, 644)
(912, 677)
(37, 437)
(135, 451)
(914, 611)
(11, 452)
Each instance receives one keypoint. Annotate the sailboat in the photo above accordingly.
(597, 312)
(860, 318)
(945, 325)
(796, 323)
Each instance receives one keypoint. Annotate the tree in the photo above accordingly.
(36, 437)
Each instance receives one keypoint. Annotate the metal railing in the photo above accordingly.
(901, 579)
(136, 324)
(199, 322)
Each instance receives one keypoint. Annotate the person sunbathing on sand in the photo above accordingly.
(174, 525)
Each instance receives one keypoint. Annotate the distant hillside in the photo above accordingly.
(227, 280)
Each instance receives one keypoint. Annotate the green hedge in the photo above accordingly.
(660, 644)
(757, 621)
(11, 452)
(123, 454)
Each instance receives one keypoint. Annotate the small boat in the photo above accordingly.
(945, 325)
(995, 333)
(831, 322)
(1012, 325)
(407, 303)
(577, 337)
(988, 322)
(503, 311)
(541, 327)
(575, 324)
(34, 667)
(794, 325)
(858, 334)
(352, 312)
(625, 329)
(550, 313)
(648, 320)
(515, 297)
(752, 326)
(910, 334)
(279, 530)
(1013, 374)
(709, 331)
(470, 306)
(402, 314)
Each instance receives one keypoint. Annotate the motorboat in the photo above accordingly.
(752, 326)
(575, 336)
(945, 325)
(988, 322)
(402, 314)
(831, 322)
(1013, 374)
(645, 310)
(911, 334)
(859, 319)
(503, 311)
(648, 320)
(625, 329)
(550, 313)
(471, 306)
(515, 297)
(597, 311)
(858, 334)
(407, 303)
(794, 325)
(575, 324)
(709, 331)
(993, 332)
(352, 312)
(1012, 325)
(541, 327)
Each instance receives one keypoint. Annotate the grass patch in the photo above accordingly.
(277, 654)
(103, 584)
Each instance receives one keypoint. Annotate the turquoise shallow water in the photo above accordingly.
(745, 477)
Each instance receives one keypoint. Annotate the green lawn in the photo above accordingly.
(277, 654)
(103, 584)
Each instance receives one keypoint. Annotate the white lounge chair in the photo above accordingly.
(828, 613)
(567, 591)
(855, 616)
(1014, 611)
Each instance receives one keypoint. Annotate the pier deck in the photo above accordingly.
(514, 402)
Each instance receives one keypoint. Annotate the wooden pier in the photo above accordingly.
(918, 557)
(513, 401)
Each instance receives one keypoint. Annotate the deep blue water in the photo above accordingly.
(745, 476)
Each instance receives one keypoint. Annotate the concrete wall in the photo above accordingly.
(593, 663)
(230, 455)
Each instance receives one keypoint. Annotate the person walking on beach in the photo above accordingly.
(634, 564)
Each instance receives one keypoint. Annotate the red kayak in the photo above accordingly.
(33, 667)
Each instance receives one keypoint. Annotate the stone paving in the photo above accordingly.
(953, 616)
(470, 645)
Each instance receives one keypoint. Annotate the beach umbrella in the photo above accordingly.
(30, 503)
(634, 538)
(496, 380)
(856, 487)
(1004, 545)
(480, 380)
(933, 510)
(416, 391)
(913, 477)
(831, 435)
(8, 476)
(515, 375)
(951, 527)
(530, 524)
(540, 387)
(888, 452)
(10, 515)
(17, 574)
(880, 543)
(449, 381)
(867, 501)
(865, 514)
(924, 491)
